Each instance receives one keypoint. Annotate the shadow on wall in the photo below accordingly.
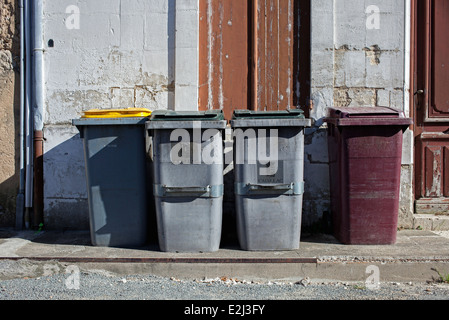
(9, 187)
(65, 185)
(8, 193)
(229, 229)
(10, 139)
(316, 216)
(65, 193)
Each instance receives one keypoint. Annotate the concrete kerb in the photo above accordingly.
(416, 271)
(418, 257)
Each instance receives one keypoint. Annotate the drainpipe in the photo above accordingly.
(28, 118)
(20, 199)
(38, 108)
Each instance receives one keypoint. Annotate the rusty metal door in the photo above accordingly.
(431, 105)
(250, 52)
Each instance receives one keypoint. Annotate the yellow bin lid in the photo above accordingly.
(117, 113)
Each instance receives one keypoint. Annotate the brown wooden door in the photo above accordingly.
(250, 52)
(431, 105)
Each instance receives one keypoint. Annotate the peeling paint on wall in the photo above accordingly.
(349, 97)
(373, 53)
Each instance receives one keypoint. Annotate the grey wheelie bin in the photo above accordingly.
(269, 178)
(115, 156)
(187, 150)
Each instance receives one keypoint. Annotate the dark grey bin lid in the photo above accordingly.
(252, 114)
(170, 115)
(367, 116)
(109, 121)
(168, 119)
(282, 118)
(83, 124)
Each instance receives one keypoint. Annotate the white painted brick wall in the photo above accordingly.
(126, 53)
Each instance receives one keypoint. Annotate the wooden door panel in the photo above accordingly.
(433, 171)
(249, 54)
(224, 51)
(275, 39)
(432, 189)
(431, 105)
(436, 167)
(439, 64)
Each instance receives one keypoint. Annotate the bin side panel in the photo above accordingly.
(269, 222)
(284, 165)
(189, 224)
(116, 184)
(365, 184)
(175, 162)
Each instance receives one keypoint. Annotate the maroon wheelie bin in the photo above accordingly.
(365, 153)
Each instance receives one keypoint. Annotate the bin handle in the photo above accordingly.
(260, 187)
(294, 188)
(202, 192)
(186, 189)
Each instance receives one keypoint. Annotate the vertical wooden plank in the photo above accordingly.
(286, 39)
(275, 39)
(301, 55)
(224, 55)
(203, 72)
(418, 182)
(272, 54)
(261, 55)
(433, 171)
(440, 56)
(216, 54)
(207, 58)
(446, 172)
(428, 154)
(254, 59)
(210, 74)
(235, 54)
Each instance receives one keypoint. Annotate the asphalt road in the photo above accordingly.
(99, 285)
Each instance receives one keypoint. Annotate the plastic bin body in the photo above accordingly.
(365, 153)
(115, 162)
(188, 194)
(269, 205)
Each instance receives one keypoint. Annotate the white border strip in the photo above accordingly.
(407, 57)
